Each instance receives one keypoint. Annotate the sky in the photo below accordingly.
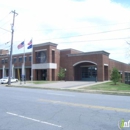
(85, 25)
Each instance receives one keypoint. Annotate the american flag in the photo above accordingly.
(21, 45)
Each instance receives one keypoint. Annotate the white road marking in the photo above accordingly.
(58, 94)
(43, 122)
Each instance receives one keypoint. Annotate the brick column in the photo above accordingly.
(49, 74)
(39, 75)
(100, 73)
(34, 74)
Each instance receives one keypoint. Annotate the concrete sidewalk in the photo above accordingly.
(57, 84)
(67, 86)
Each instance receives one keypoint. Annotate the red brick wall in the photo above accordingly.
(120, 66)
(62, 59)
(68, 62)
(49, 50)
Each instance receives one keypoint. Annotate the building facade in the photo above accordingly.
(45, 61)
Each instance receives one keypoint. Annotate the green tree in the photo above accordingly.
(115, 76)
(61, 74)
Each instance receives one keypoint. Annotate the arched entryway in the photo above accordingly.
(85, 71)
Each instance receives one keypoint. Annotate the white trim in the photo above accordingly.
(105, 64)
(127, 71)
(53, 49)
(44, 66)
(84, 62)
(40, 50)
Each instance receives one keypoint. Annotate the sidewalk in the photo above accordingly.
(56, 84)
(67, 86)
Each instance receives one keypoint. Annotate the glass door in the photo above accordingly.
(88, 73)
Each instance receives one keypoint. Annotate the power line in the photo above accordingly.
(3, 33)
(4, 43)
(75, 27)
(90, 34)
(96, 40)
(84, 41)
(5, 29)
(4, 17)
(5, 23)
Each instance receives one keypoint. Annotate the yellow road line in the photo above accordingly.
(87, 106)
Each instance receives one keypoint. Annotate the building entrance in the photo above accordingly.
(41, 74)
(85, 71)
(88, 73)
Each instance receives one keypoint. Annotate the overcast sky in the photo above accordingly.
(85, 25)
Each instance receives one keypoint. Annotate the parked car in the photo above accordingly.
(5, 80)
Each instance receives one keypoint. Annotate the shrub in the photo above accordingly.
(115, 76)
(61, 74)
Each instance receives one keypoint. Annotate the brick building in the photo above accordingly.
(47, 60)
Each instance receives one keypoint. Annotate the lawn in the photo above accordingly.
(41, 82)
(109, 86)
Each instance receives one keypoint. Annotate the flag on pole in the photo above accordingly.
(20, 45)
(30, 44)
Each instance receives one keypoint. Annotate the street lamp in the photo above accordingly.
(65, 73)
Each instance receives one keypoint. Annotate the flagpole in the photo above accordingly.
(32, 64)
(24, 63)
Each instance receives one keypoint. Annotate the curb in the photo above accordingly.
(76, 90)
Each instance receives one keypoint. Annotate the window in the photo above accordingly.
(20, 59)
(6, 60)
(14, 60)
(25, 59)
(30, 58)
(41, 57)
(127, 77)
(53, 56)
(2, 61)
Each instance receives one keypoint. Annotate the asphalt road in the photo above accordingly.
(37, 109)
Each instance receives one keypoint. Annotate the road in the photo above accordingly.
(38, 109)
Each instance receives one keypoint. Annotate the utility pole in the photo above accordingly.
(11, 48)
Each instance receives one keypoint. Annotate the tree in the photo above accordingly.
(115, 76)
(61, 74)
